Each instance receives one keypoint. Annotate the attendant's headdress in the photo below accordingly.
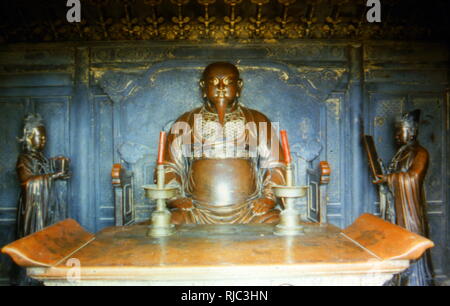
(409, 120)
(31, 122)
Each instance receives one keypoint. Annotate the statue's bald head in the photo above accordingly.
(221, 87)
(220, 68)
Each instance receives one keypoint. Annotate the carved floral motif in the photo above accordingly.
(205, 20)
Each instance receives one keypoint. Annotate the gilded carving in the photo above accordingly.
(100, 55)
(257, 24)
(293, 20)
(118, 85)
(154, 21)
(206, 20)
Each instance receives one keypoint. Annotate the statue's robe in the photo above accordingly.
(224, 170)
(407, 172)
(39, 200)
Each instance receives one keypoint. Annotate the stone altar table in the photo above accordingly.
(369, 252)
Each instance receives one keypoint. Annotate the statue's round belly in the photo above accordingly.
(222, 181)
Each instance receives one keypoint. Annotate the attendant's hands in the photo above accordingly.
(60, 175)
(60, 164)
(181, 203)
(57, 175)
(66, 176)
(381, 179)
(262, 206)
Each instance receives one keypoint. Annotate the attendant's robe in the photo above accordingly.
(407, 172)
(38, 203)
(224, 173)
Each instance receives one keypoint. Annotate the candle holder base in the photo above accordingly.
(290, 220)
(289, 224)
(161, 226)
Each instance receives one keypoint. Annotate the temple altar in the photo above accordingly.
(369, 252)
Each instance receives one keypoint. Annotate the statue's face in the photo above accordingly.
(403, 135)
(221, 86)
(38, 139)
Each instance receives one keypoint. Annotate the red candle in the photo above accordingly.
(162, 143)
(285, 146)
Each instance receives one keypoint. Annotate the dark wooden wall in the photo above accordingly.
(106, 102)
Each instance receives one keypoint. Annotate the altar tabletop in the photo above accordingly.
(368, 252)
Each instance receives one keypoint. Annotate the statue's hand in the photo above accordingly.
(181, 203)
(262, 206)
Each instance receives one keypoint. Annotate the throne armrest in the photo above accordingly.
(122, 181)
(318, 180)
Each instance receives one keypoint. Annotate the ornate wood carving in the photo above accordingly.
(221, 21)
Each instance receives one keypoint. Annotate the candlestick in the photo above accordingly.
(160, 192)
(161, 147)
(289, 217)
(285, 146)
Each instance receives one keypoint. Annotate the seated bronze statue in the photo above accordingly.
(224, 157)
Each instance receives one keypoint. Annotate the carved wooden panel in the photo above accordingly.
(15, 108)
(334, 154)
(9, 188)
(104, 148)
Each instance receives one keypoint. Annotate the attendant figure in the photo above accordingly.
(406, 174)
(39, 204)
